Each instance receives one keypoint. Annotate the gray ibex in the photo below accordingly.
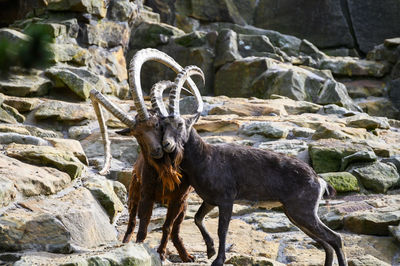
(154, 177)
(222, 174)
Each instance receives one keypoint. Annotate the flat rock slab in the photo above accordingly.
(352, 66)
(64, 112)
(28, 130)
(118, 255)
(29, 180)
(23, 85)
(368, 122)
(22, 104)
(122, 148)
(64, 161)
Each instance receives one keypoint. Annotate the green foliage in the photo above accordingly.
(31, 53)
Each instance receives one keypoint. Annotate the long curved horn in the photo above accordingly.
(180, 79)
(156, 96)
(97, 98)
(135, 66)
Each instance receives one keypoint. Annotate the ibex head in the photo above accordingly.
(146, 125)
(176, 128)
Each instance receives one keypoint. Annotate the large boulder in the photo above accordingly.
(378, 177)
(22, 104)
(394, 92)
(68, 52)
(103, 190)
(25, 85)
(116, 255)
(107, 34)
(352, 66)
(369, 28)
(266, 129)
(326, 155)
(226, 48)
(56, 225)
(95, 7)
(64, 161)
(287, 43)
(12, 137)
(64, 112)
(124, 150)
(322, 22)
(262, 77)
(367, 260)
(150, 34)
(215, 10)
(78, 80)
(12, 36)
(29, 130)
(28, 180)
(381, 106)
(332, 23)
(371, 223)
(342, 181)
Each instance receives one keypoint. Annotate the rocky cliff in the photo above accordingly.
(264, 88)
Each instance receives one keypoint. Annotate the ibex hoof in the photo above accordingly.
(211, 252)
(188, 258)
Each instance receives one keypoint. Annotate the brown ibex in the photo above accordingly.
(154, 177)
(222, 174)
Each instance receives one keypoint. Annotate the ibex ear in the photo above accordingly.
(124, 132)
(192, 120)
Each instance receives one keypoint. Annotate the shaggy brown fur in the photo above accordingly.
(156, 180)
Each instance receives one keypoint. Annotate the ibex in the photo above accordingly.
(221, 174)
(155, 177)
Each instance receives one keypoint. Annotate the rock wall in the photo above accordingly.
(275, 92)
(327, 24)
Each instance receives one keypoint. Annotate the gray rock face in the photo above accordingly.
(29, 180)
(394, 92)
(64, 112)
(378, 177)
(103, 190)
(371, 223)
(117, 255)
(78, 80)
(124, 149)
(226, 48)
(322, 23)
(63, 160)
(365, 16)
(214, 10)
(13, 36)
(22, 85)
(94, 7)
(7, 138)
(367, 260)
(262, 77)
(55, 225)
(266, 129)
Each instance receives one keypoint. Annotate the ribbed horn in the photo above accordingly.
(180, 80)
(135, 66)
(156, 94)
(97, 98)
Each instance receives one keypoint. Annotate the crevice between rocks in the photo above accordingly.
(344, 4)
